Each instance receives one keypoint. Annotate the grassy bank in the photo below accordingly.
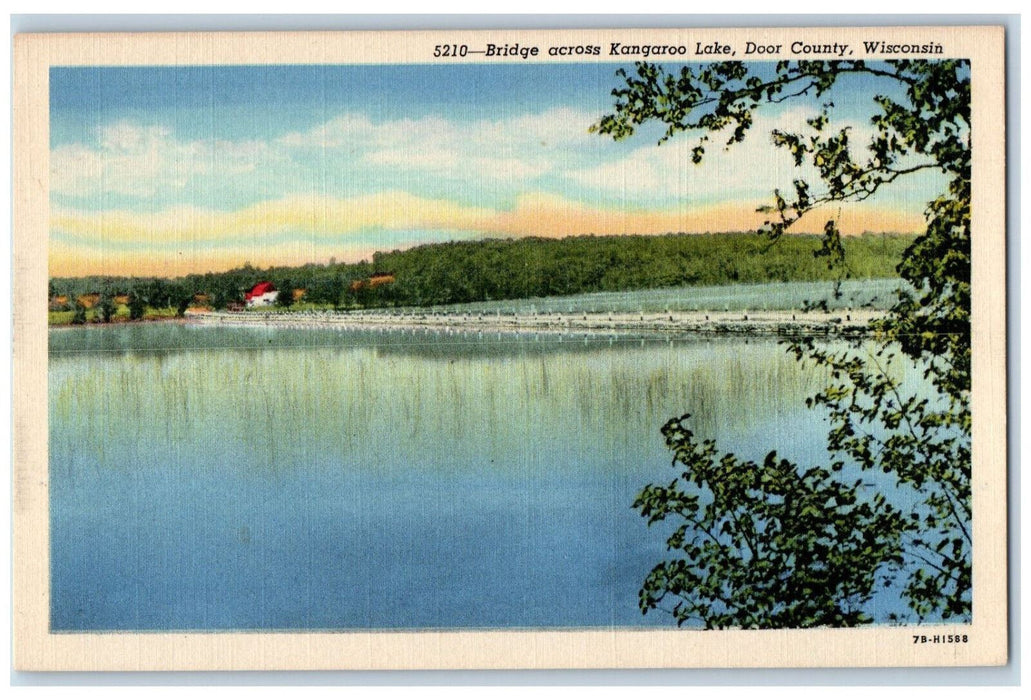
(120, 315)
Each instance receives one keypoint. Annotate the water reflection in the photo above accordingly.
(467, 483)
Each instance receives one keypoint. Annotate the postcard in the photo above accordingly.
(664, 348)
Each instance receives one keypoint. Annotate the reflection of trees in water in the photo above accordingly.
(387, 406)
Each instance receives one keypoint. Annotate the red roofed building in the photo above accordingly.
(263, 294)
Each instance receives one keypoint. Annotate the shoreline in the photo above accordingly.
(120, 322)
(792, 323)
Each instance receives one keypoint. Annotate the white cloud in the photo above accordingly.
(439, 161)
(560, 127)
(518, 147)
(557, 126)
(747, 169)
(357, 131)
(493, 158)
(751, 169)
(143, 161)
(309, 214)
(137, 160)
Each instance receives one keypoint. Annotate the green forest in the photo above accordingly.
(458, 272)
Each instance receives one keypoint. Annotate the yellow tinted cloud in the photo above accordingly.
(311, 215)
(67, 260)
(542, 214)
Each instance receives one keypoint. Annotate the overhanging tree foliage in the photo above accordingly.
(765, 545)
(746, 555)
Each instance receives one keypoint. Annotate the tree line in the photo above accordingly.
(494, 269)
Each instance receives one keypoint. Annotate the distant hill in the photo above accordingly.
(457, 272)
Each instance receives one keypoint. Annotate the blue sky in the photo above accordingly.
(180, 169)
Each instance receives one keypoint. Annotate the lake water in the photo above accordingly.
(219, 478)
